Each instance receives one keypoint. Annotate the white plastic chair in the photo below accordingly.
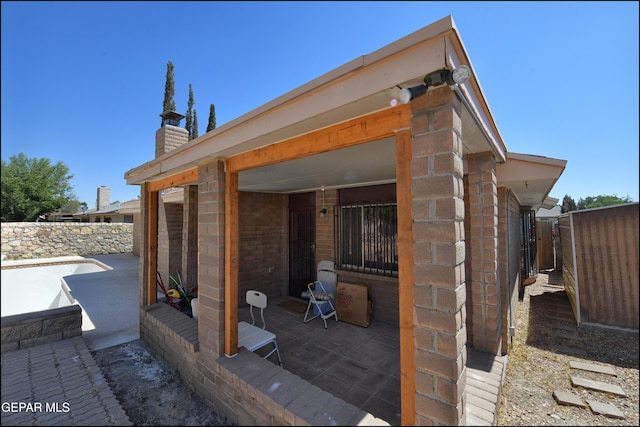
(252, 337)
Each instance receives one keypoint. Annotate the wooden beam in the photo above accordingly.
(182, 178)
(151, 243)
(352, 132)
(231, 252)
(405, 278)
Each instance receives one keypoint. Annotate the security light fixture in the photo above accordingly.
(408, 94)
(434, 79)
(324, 210)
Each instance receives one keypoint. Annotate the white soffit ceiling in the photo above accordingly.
(530, 177)
(365, 164)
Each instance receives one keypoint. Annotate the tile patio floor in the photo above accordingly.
(362, 365)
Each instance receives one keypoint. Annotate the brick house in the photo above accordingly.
(266, 196)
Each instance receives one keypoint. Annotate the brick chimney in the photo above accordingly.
(170, 135)
(104, 197)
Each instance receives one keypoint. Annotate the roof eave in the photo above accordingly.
(356, 88)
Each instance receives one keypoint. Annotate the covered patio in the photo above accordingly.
(362, 365)
(267, 196)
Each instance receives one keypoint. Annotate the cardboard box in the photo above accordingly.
(353, 304)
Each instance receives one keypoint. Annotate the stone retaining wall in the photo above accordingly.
(25, 240)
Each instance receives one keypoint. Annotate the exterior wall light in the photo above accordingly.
(408, 94)
(324, 210)
(434, 79)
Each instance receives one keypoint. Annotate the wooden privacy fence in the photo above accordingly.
(600, 264)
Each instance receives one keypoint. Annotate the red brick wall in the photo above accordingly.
(325, 226)
(263, 230)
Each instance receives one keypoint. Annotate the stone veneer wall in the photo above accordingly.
(25, 240)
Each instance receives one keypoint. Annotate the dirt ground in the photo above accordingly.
(150, 391)
(547, 339)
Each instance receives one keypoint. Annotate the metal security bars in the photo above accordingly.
(367, 237)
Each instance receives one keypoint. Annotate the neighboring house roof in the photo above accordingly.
(361, 87)
(554, 212)
(130, 207)
(125, 208)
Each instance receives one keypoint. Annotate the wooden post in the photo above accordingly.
(150, 264)
(405, 278)
(231, 235)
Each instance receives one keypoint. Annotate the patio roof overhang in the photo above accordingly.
(531, 178)
(359, 88)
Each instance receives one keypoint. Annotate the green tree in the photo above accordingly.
(31, 187)
(168, 104)
(194, 129)
(212, 118)
(568, 204)
(72, 206)
(602, 200)
(189, 115)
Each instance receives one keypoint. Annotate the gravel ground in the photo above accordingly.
(150, 391)
(546, 340)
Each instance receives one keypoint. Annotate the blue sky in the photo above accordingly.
(83, 82)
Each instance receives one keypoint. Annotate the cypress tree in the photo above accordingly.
(189, 116)
(168, 104)
(212, 118)
(194, 130)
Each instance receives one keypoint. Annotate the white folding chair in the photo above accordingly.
(320, 299)
(252, 337)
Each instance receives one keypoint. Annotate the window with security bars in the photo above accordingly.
(368, 238)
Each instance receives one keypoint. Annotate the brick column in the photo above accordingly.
(482, 253)
(211, 187)
(190, 237)
(438, 233)
(169, 241)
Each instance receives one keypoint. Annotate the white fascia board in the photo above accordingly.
(347, 84)
(404, 60)
(472, 91)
